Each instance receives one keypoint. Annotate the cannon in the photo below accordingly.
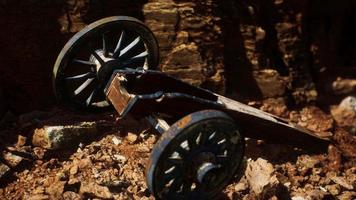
(113, 63)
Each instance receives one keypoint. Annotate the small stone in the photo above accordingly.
(306, 163)
(4, 169)
(55, 189)
(39, 190)
(73, 170)
(260, 176)
(347, 195)
(143, 149)
(116, 141)
(316, 120)
(39, 197)
(344, 86)
(132, 138)
(84, 163)
(21, 141)
(241, 186)
(95, 190)
(298, 198)
(71, 196)
(120, 157)
(39, 152)
(345, 114)
(342, 182)
(333, 189)
(12, 160)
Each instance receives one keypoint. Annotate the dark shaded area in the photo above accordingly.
(238, 68)
(32, 37)
(30, 40)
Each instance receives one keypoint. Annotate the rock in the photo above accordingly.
(270, 83)
(84, 163)
(131, 137)
(333, 189)
(347, 195)
(344, 86)
(39, 197)
(185, 62)
(345, 142)
(241, 186)
(345, 114)
(59, 137)
(4, 169)
(342, 182)
(298, 198)
(95, 190)
(306, 163)
(73, 170)
(275, 106)
(21, 141)
(316, 120)
(334, 157)
(260, 176)
(69, 195)
(12, 160)
(55, 189)
(116, 141)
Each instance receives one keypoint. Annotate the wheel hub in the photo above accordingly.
(104, 71)
(205, 167)
(206, 173)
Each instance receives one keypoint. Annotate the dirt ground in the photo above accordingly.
(112, 164)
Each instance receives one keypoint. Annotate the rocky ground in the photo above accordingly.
(99, 157)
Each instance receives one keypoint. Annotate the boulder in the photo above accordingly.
(58, 137)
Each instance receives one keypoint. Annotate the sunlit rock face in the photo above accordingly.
(219, 45)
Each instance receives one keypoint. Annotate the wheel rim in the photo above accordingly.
(87, 61)
(196, 160)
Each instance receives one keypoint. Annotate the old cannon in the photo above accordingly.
(113, 62)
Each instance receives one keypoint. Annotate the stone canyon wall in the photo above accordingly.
(298, 50)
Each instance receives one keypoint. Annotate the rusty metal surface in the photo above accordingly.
(117, 95)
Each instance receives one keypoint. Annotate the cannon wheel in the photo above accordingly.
(196, 157)
(87, 61)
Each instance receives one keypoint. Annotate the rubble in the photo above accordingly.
(345, 114)
(4, 169)
(12, 160)
(344, 86)
(260, 176)
(94, 190)
(59, 137)
(316, 120)
(271, 83)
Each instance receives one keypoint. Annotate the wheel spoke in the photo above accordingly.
(192, 142)
(177, 183)
(101, 61)
(80, 76)
(131, 61)
(83, 86)
(84, 62)
(130, 46)
(105, 47)
(202, 138)
(175, 161)
(182, 152)
(118, 45)
(91, 96)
